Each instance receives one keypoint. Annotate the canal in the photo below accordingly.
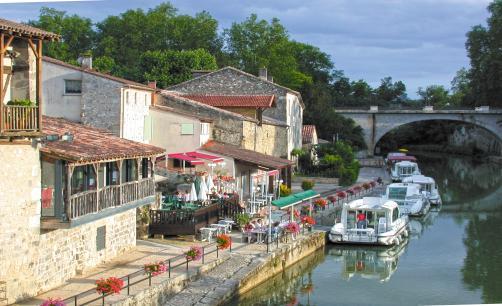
(453, 256)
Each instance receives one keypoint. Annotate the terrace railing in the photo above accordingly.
(86, 202)
(16, 118)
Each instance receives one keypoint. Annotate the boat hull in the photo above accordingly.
(381, 240)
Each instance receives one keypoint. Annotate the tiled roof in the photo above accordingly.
(246, 155)
(26, 30)
(97, 73)
(254, 101)
(91, 144)
(308, 133)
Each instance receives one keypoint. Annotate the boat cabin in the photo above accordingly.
(427, 183)
(89, 174)
(378, 216)
(404, 169)
(401, 193)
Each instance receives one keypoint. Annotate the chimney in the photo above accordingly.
(85, 60)
(263, 73)
(152, 84)
(270, 78)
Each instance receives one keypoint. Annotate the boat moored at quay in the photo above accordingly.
(429, 187)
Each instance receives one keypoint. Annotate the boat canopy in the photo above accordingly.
(419, 179)
(406, 163)
(294, 199)
(397, 158)
(402, 190)
(373, 204)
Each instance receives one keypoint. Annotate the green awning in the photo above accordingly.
(294, 199)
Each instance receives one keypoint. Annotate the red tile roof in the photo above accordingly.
(97, 73)
(308, 133)
(246, 155)
(254, 101)
(26, 30)
(91, 144)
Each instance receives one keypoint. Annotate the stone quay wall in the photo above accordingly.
(34, 261)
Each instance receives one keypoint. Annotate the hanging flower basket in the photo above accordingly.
(308, 221)
(350, 191)
(320, 203)
(292, 227)
(111, 285)
(366, 186)
(53, 302)
(223, 241)
(373, 183)
(155, 268)
(194, 254)
(332, 198)
(341, 194)
(306, 209)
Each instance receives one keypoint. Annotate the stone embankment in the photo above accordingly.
(246, 267)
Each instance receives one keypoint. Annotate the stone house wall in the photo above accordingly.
(136, 107)
(266, 138)
(20, 82)
(32, 261)
(232, 82)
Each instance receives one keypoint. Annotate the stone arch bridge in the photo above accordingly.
(378, 122)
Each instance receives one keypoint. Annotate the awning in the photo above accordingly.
(182, 156)
(273, 172)
(214, 159)
(295, 199)
(402, 158)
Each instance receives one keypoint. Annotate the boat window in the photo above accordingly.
(395, 214)
(397, 193)
(427, 187)
(351, 219)
(370, 216)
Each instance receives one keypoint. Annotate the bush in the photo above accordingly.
(307, 184)
(242, 219)
(285, 191)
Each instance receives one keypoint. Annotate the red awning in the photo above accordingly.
(402, 158)
(273, 172)
(183, 156)
(214, 159)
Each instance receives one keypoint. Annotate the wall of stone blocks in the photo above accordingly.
(32, 261)
(267, 139)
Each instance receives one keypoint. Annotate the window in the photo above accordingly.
(72, 87)
(145, 167)
(83, 179)
(397, 193)
(395, 214)
(204, 128)
(112, 174)
(129, 170)
(187, 129)
(100, 238)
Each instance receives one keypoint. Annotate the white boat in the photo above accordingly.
(378, 263)
(429, 187)
(403, 169)
(409, 197)
(383, 223)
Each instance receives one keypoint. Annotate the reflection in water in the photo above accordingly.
(454, 255)
(293, 286)
(483, 263)
(369, 263)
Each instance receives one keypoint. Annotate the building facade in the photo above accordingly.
(81, 94)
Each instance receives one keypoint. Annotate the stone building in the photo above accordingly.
(81, 94)
(68, 192)
(231, 82)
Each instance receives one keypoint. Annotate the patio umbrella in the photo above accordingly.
(210, 184)
(197, 184)
(193, 194)
(203, 190)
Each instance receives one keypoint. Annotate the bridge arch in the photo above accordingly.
(495, 141)
(376, 124)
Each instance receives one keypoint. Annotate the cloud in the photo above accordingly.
(418, 41)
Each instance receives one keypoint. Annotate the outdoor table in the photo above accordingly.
(220, 227)
(228, 223)
(207, 233)
(253, 207)
(259, 235)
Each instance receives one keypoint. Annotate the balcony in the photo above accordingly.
(16, 120)
(95, 204)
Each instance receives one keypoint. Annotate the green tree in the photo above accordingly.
(484, 47)
(390, 92)
(435, 95)
(77, 34)
(170, 67)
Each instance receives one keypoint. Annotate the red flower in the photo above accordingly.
(308, 221)
(320, 202)
(366, 186)
(332, 198)
(341, 194)
(110, 285)
(223, 241)
(373, 183)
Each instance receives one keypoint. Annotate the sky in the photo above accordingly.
(420, 42)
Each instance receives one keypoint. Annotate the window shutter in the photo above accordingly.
(187, 129)
(147, 128)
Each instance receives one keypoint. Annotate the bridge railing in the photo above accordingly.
(415, 108)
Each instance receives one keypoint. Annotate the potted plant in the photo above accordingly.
(308, 222)
(194, 253)
(242, 220)
(155, 268)
(307, 184)
(320, 203)
(109, 285)
(53, 302)
(223, 241)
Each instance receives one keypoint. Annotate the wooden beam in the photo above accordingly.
(119, 168)
(33, 47)
(2, 37)
(69, 173)
(39, 84)
(7, 44)
(96, 172)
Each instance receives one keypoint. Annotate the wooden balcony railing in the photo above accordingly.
(15, 118)
(86, 202)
